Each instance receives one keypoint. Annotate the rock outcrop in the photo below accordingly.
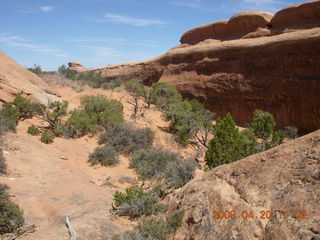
(16, 79)
(238, 26)
(275, 195)
(252, 61)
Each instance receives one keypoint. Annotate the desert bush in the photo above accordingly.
(9, 112)
(47, 137)
(11, 216)
(135, 89)
(36, 69)
(111, 84)
(189, 121)
(136, 203)
(106, 156)
(152, 162)
(24, 107)
(263, 125)
(92, 78)
(81, 123)
(33, 130)
(226, 146)
(106, 112)
(126, 139)
(178, 173)
(291, 132)
(6, 125)
(164, 94)
(53, 113)
(68, 73)
(153, 228)
(3, 165)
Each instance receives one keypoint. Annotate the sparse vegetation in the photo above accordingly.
(164, 94)
(126, 139)
(81, 123)
(36, 69)
(153, 228)
(111, 84)
(47, 137)
(33, 130)
(135, 89)
(189, 121)
(105, 156)
(291, 132)
(11, 216)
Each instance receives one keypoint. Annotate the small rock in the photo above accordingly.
(63, 158)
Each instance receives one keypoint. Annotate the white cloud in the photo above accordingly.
(46, 8)
(141, 22)
(103, 52)
(190, 4)
(26, 45)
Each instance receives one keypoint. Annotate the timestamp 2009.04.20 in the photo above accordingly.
(262, 214)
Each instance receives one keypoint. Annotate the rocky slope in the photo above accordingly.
(253, 61)
(16, 79)
(286, 178)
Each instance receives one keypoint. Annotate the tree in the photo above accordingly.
(164, 94)
(54, 112)
(227, 145)
(263, 125)
(135, 89)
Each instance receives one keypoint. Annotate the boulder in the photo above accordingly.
(271, 195)
(303, 15)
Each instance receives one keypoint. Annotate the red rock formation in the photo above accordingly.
(270, 193)
(238, 26)
(279, 72)
(74, 64)
(16, 79)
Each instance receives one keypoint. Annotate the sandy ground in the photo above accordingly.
(47, 181)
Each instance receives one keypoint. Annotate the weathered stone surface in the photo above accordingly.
(238, 26)
(303, 15)
(16, 79)
(285, 178)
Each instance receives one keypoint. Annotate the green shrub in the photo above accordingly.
(9, 113)
(11, 216)
(291, 132)
(24, 107)
(136, 203)
(106, 156)
(178, 173)
(47, 137)
(263, 125)
(126, 139)
(92, 78)
(6, 125)
(152, 163)
(105, 112)
(153, 228)
(135, 89)
(111, 84)
(189, 121)
(164, 94)
(226, 146)
(68, 73)
(3, 165)
(129, 194)
(81, 123)
(33, 130)
(36, 69)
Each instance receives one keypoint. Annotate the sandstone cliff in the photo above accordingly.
(286, 178)
(253, 61)
(16, 79)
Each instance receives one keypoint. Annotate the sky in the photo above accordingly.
(95, 33)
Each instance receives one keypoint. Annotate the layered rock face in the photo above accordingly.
(16, 79)
(253, 61)
(275, 195)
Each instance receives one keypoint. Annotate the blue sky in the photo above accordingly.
(101, 32)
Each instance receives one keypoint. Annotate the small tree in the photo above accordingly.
(164, 94)
(135, 89)
(36, 69)
(263, 125)
(226, 146)
(54, 113)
